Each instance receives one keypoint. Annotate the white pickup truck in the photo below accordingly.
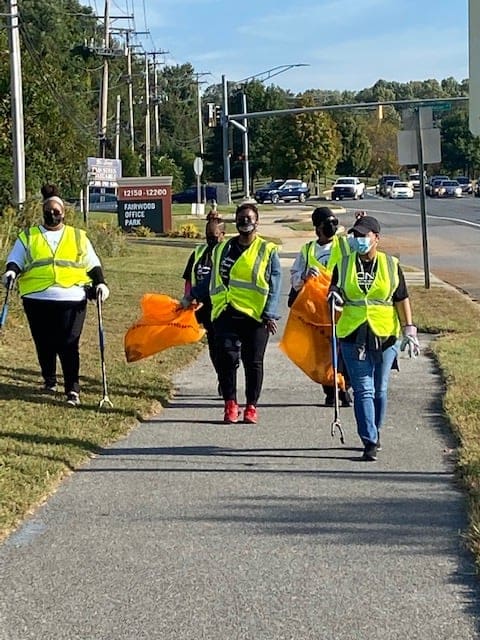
(348, 188)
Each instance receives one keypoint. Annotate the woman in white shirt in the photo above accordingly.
(55, 264)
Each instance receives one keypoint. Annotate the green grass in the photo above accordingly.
(40, 439)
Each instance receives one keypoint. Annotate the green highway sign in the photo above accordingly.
(441, 106)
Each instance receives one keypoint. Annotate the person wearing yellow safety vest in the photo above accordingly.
(198, 267)
(369, 287)
(315, 256)
(55, 265)
(245, 284)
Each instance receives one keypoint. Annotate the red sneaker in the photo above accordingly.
(232, 412)
(250, 414)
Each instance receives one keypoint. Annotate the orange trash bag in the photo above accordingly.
(307, 338)
(162, 325)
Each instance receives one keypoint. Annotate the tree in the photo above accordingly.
(356, 146)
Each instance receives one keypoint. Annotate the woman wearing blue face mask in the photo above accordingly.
(370, 287)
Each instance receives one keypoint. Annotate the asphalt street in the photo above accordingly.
(192, 529)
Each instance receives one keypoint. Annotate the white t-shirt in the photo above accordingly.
(69, 294)
(298, 270)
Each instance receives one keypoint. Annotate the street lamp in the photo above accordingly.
(243, 126)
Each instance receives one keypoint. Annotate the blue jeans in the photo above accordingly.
(369, 380)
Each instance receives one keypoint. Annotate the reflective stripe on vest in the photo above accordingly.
(340, 249)
(248, 287)
(43, 268)
(376, 306)
(197, 256)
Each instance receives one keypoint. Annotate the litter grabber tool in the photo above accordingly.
(336, 424)
(105, 402)
(4, 312)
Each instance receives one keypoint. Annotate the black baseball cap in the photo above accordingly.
(366, 224)
(322, 214)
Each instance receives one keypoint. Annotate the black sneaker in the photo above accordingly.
(345, 398)
(329, 400)
(370, 453)
(73, 399)
(379, 446)
(51, 389)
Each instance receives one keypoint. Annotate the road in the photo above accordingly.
(453, 235)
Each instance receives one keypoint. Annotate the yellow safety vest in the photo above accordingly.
(340, 249)
(43, 268)
(198, 253)
(248, 287)
(376, 306)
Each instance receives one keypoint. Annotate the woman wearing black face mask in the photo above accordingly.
(198, 268)
(321, 255)
(245, 288)
(54, 263)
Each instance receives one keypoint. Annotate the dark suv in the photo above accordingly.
(285, 190)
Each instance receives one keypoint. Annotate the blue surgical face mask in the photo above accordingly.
(361, 245)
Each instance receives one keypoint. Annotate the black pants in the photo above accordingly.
(240, 338)
(56, 328)
(203, 317)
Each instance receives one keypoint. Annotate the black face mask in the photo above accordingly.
(52, 218)
(330, 227)
(245, 226)
(212, 241)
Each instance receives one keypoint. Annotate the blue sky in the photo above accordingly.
(348, 44)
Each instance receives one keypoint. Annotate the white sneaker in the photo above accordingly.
(73, 399)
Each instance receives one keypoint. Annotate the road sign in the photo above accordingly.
(474, 66)
(103, 172)
(441, 106)
(198, 166)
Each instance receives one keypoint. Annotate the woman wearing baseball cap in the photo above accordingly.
(370, 288)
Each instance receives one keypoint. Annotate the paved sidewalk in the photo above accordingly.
(190, 529)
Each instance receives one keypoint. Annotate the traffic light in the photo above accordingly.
(214, 116)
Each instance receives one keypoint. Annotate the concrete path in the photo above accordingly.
(190, 529)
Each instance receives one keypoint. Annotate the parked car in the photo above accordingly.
(349, 187)
(429, 185)
(401, 190)
(286, 190)
(434, 187)
(414, 179)
(449, 189)
(189, 195)
(387, 186)
(465, 183)
(382, 180)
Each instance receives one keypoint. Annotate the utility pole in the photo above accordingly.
(226, 154)
(18, 143)
(148, 166)
(129, 47)
(117, 128)
(148, 146)
(102, 133)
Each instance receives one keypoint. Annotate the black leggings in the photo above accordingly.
(56, 328)
(239, 337)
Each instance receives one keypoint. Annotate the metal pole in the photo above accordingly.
(104, 93)
(148, 169)
(130, 95)
(246, 167)
(18, 143)
(200, 138)
(117, 128)
(423, 211)
(155, 108)
(226, 155)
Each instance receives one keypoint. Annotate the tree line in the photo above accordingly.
(62, 71)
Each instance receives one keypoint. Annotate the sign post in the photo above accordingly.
(198, 168)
